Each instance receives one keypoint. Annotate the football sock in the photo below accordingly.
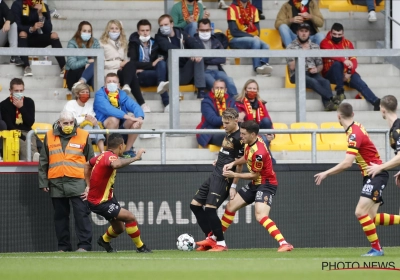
(227, 220)
(110, 234)
(383, 219)
(221, 243)
(201, 218)
(369, 228)
(133, 231)
(214, 223)
(273, 230)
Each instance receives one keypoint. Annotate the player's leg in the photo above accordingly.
(242, 198)
(263, 202)
(196, 206)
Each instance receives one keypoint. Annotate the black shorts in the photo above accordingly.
(373, 187)
(109, 209)
(213, 191)
(258, 193)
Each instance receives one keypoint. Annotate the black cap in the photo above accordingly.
(303, 25)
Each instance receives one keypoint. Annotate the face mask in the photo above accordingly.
(190, 1)
(84, 97)
(337, 40)
(304, 2)
(86, 36)
(219, 93)
(144, 39)
(302, 41)
(68, 129)
(251, 94)
(165, 30)
(114, 35)
(205, 36)
(18, 95)
(112, 87)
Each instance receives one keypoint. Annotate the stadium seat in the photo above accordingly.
(41, 126)
(272, 38)
(185, 88)
(337, 141)
(324, 4)
(212, 148)
(347, 6)
(304, 140)
(282, 142)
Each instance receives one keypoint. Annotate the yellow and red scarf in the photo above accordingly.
(185, 11)
(254, 114)
(113, 97)
(31, 3)
(246, 17)
(18, 115)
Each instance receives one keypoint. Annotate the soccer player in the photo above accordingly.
(100, 175)
(216, 188)
(262, 187)
(361, 149)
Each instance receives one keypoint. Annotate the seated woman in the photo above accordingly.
(115, 46)
(84, 114)
(252, 107)
(81, 69)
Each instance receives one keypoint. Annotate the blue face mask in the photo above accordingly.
(114, 35)
(112, 87)
(304, 2)
(86, 36)
(165, 30)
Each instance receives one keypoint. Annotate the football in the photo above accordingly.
(185, 242)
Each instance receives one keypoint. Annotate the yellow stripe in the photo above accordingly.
(377, 220)
(225, 224)
(386, 219)
(108, 187)
(364, 219)
(131, 230)
(351, 150)
(230, 218)
(278, 237)
(265, 224)
(271, 229)
(373, 237)
(370, 227)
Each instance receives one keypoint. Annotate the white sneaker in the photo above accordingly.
(127, 89)
(145, 108)
(166, 109)
(35, 157)
(372, 16)
(222, 5)
(162, 87)
(56, 15)
(265, 69)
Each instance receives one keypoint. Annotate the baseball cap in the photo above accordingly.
(304, 25)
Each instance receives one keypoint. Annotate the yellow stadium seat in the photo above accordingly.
(41, 126)
(272, 38)
(324, 4)
(282, 142)
(288, 83)
(212, 148)
(185, 88)
(304, 140)
(337, 141)
(10, 145)
(342, 6)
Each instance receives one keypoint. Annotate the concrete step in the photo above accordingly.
(50, 71)
(35, 82)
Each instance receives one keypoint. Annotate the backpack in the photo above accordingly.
(222, 38)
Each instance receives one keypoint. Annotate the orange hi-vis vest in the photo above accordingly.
(71, 162)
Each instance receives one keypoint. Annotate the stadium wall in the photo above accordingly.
(307, 215)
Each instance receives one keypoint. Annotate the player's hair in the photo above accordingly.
(389, 102)
(251, 126)
(204, 21)
(114, 140)
(16, 81)
(171, 20)
(230, 114)
(143, 22)
(345, 110)
(337, 27)
(111, 75)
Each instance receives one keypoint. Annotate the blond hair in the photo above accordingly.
(122, 37)
(81, 87)
(230, 114)
(242, 94)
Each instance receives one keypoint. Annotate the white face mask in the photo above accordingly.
(114, 35)
(144, 39)
(304, 2)
(205, 36)
(18, 95)
(112, 87)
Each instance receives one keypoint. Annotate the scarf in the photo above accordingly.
(185, 11)
(18, 115)
(254, 114)
(113, 97)
(30, 3)
(246, 17)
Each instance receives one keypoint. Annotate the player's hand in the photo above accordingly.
(85, 194)
(297, 19)
(232, 193)
(305, 15)
(374, 169)
(214, 162)
(6, 26)
(319, 177)
(139, 153)
(227, 167)
(397, 178)
(348, 63)
(270, 137)
(229, 174)
(45, 189)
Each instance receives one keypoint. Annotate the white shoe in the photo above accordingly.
(222, 5)
(56, 15)
(162, 87)
(166, 109)
(145, 108)
(127, 89)
(35, 157)
(265, 69)
(372, 16)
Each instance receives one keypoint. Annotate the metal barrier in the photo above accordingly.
(164, 132)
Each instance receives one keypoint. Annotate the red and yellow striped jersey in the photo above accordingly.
(360, 145)
(102, 178)
(259, 161)
(243, 24)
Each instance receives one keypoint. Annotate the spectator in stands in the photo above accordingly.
(342, 70)
(53, 11)
(35, 30)
(84, 114)
(115, 46)
(295, 12)
(221, 4)
(213, 65)
(186, 14)
(80, 69)
(115, 110)
(243, 33)
(9, 31)
(145, 60)
(371, 4)
(212, 107)
(170, 37)
(61, 172)
(314, 66)
(252, 107)
(18, 113)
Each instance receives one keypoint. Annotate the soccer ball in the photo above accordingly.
(185, 242)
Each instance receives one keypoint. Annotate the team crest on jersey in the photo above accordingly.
(398, 131)
(258, 157)
(376, 193)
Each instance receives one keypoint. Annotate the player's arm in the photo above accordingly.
(87, 172)
(246, 176)
(346, 163)
(374, 169)
(121, 162)
(238, 161)
(239, 169)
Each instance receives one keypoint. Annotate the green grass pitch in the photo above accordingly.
(234, 264)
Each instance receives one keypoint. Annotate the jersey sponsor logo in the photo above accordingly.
(352, 137)
(112, 158)
(258, 164)
(367, 189)
(259, 195)
(112, 207)
(258, 157)
(73, 145)
(352, 143)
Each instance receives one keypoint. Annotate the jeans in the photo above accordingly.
(335, 76)
(371, 4)
(11, 36)
(288, 36)
(212, 75)
(127, 76)
(253, 44)
(148, 78)
(95, 137)
(191, 29)
(88, 74)
(318, 84)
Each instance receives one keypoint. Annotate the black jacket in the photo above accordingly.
(215, 45)
(27, 111)
(5, 14)
(136, 53)
(25, 22)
